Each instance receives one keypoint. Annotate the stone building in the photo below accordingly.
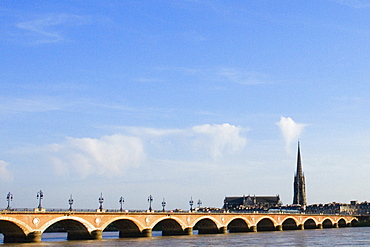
(331, 208)
(362, 208)
(251, 203)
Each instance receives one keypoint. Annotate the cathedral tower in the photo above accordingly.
(299, 183)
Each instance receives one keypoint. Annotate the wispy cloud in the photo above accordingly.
(193, 36)
(358, 4)
(5, 174)
(152, 132)
(148, 80)
(48, 29)
(228, 74)
(243, 77)
(290, 130)
(33, 104)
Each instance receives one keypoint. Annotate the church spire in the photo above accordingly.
(299, 182)
(299, 163)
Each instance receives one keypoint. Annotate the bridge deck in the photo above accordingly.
(28, 225)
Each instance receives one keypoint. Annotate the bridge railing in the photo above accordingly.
(63, 210)
(66, 210)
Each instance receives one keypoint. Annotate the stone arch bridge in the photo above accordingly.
(28, 226)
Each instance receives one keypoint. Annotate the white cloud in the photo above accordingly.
(199, 142)
(5, 175)
(290, 130)
(112, 155)
(107, 156)
(219, 139)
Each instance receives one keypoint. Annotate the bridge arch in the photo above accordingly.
(238, 224)
(290, 223)
(266, 224)
(177, 220)
(127, 227)
(310, 223)
(327, 223)
(342, 222)
(25, 228)
(207, 225)
(354, 222)
(169, 226)
(77, 228)
(14, 230)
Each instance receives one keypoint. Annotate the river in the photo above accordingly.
(351, 236)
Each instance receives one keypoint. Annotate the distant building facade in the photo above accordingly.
(251, 203)
(299, 185)
(362, 208)
(353, 208)
(331, 208)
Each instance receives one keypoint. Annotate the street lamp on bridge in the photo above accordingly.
(163, 205)
(9, 198)
(199, 203)
(191, 203)
(70, 202)
(150, 199)
(101, 200)
(40, 196)
(121, 201)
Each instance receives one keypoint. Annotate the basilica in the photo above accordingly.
(264, 203)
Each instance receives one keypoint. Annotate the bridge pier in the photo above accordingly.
(137, 234)
(188, 231)
(301, 227)
(97, 234)
(222, 230)
(33, 237)
(336, 225)
(253, 228)
(319, 226)
(146, 232)
(279, 228)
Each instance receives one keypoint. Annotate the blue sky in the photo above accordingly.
(182, 99)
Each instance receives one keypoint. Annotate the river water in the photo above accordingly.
(351, 236)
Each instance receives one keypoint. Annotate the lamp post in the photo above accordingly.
(163, 205)
(150, 199)
(199, 203)
(9, 198)
(70, 202)
(191, 203)
(40, 196)
(121, 201)
(101, 200)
